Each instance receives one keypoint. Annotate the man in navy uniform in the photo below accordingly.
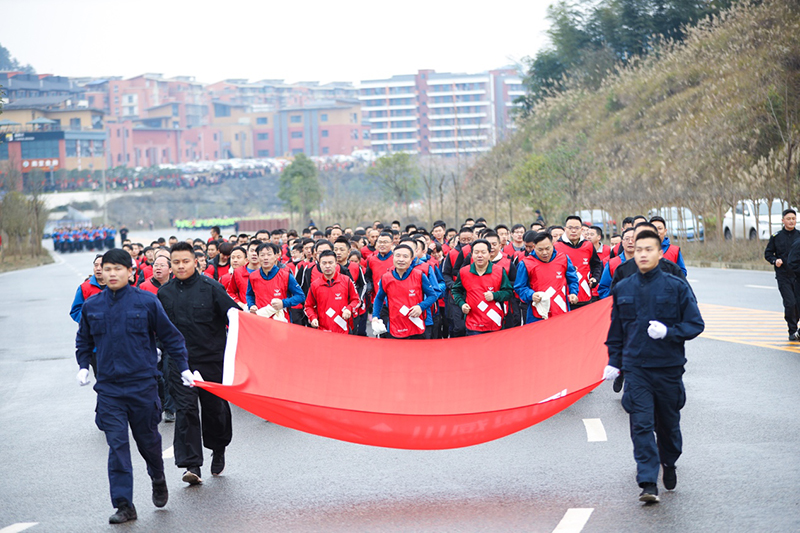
(122, 323)
(653, 314)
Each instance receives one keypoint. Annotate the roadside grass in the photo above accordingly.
(742, 252)
(19, 262)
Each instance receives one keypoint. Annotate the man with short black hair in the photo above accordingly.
(271, 285)
(671, 251)
(777, 254)
(584, 257)
(481, 289)
(198, 306)
(653, 315)
(121, 323)
(409, 295)
(546, 281)
(332, 300)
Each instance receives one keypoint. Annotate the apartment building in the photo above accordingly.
(440, 113)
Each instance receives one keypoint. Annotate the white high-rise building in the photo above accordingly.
(440, 113)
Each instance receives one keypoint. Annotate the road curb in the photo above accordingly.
(729, 266)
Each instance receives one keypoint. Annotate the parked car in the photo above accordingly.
(681, 223)
(600, 218)
(747, 226)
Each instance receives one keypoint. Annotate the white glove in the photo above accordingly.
(83, 377)
(657, 330)
(187, 378)
(197, 376)
(378, 327)
(158, 351)
(610, 372)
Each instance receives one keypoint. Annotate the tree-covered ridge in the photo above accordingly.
(700, 124)
(590, 38)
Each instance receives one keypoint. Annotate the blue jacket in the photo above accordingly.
(523, 288)
(640, 298)
(123, 325)
(437, 282)
(604, 287)
(77, 303)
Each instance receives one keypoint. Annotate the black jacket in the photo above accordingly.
(198, 307)
(778, 247)
(629, 268)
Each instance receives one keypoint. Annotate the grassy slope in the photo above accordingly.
(677, 127)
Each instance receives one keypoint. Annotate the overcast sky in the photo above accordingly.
(266, 39)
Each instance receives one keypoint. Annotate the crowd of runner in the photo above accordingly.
(391, 281)
(543, 272)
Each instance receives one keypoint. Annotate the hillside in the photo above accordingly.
(701, 125)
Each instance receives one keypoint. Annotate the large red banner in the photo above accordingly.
(413, 394)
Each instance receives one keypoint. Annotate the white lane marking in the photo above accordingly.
(595, 432)
(169, 453)
(762, 287)
(574, 520)
(19, 526)
(691, 280)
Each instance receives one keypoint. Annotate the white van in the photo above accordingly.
(747, 226)
(680, 224)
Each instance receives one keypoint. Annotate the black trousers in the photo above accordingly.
(208, 424)
(789, 288)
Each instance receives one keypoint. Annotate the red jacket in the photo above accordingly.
(237, 284)
(327, 299)
(267, 289)
(404, 293)
(480, 316)
(580, 257)
(551, 278)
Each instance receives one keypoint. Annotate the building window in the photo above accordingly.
(261, 120)
(324, 133)
(323, 117)
(221, 110)
(215, 136)
(235, 136)
(39, 149)
(295, 119)
(325, 150)
(3, 151)
(262, 136)
(297, 151)
(98, 148)
(355, 134)
(354, 118)
(175, 110)
(365, 134)
(297, 135)
(263, 153)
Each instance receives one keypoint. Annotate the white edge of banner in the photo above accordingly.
(229, 364)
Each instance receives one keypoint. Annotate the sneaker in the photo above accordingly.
(192, 475)
(669, 476)
(618, 381)
(124, 513)
(160, 492)
(649, 493)
(217, 462)
(169, 417)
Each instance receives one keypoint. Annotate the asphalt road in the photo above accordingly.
(739, 471)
